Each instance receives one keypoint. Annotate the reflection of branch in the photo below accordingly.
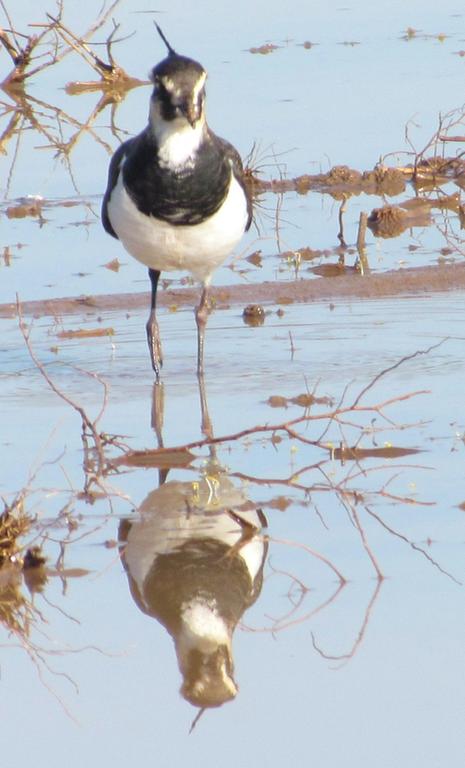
(290, 481)
(60, 115)
(284, 622)
(23, 56)
(42, 116)
(366, 546)
(364, 472)
(298, 545)
(350, 654)
(414, 546)
(288, 426)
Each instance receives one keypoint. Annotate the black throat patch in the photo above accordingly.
(189, 196)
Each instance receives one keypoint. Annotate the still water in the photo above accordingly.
(335, 544)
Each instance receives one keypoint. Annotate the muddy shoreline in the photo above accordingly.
(401, 282)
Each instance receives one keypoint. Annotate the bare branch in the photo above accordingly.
(393, 368)
(88, 426)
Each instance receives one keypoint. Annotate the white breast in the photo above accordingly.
(177, 141)
(178, 144)
(198, 248)
(203, 628)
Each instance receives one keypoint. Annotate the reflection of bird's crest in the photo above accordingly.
(195, 561)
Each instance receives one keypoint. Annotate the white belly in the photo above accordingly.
(165, 524)
(198, 248)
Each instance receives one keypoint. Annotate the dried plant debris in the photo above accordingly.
(111, 74)
(253, 314)
(391, 220)
(14, 525)
(25, 209)
(305, 253)
(416, 34)
(355, 453)
(16, 613)
(337, 269)
(340, 179)
(342, 182)
(114, 265)
(264, 49)
(161, 459)
(34, 570)
(30, 54)
(85, 333)
(255, 258)
(304, 400)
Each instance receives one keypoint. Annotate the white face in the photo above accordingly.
(178, 92)
(179, 137)
(177, 140)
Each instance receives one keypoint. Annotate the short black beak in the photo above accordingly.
(191, 112)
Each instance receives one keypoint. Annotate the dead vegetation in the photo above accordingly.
(24, 577)
(32, 53)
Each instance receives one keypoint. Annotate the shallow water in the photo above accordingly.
(305, 109)
(351, 650)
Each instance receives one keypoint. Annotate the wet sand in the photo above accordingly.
(400, 282)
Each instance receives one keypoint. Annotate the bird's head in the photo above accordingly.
(179, 87)
(208, 679)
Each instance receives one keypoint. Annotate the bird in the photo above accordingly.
(194, 558)
(176, 194)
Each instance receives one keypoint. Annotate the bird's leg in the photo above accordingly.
(206, 426)
(158, 410)
(201, 316)
(153, 334)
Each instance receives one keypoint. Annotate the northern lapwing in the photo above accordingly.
(194, 560)
(176, 196)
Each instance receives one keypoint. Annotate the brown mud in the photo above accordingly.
(382, 180)
(346, 285)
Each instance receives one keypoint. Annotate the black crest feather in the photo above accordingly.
(171, 50)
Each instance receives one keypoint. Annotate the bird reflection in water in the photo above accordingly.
(194, 558)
